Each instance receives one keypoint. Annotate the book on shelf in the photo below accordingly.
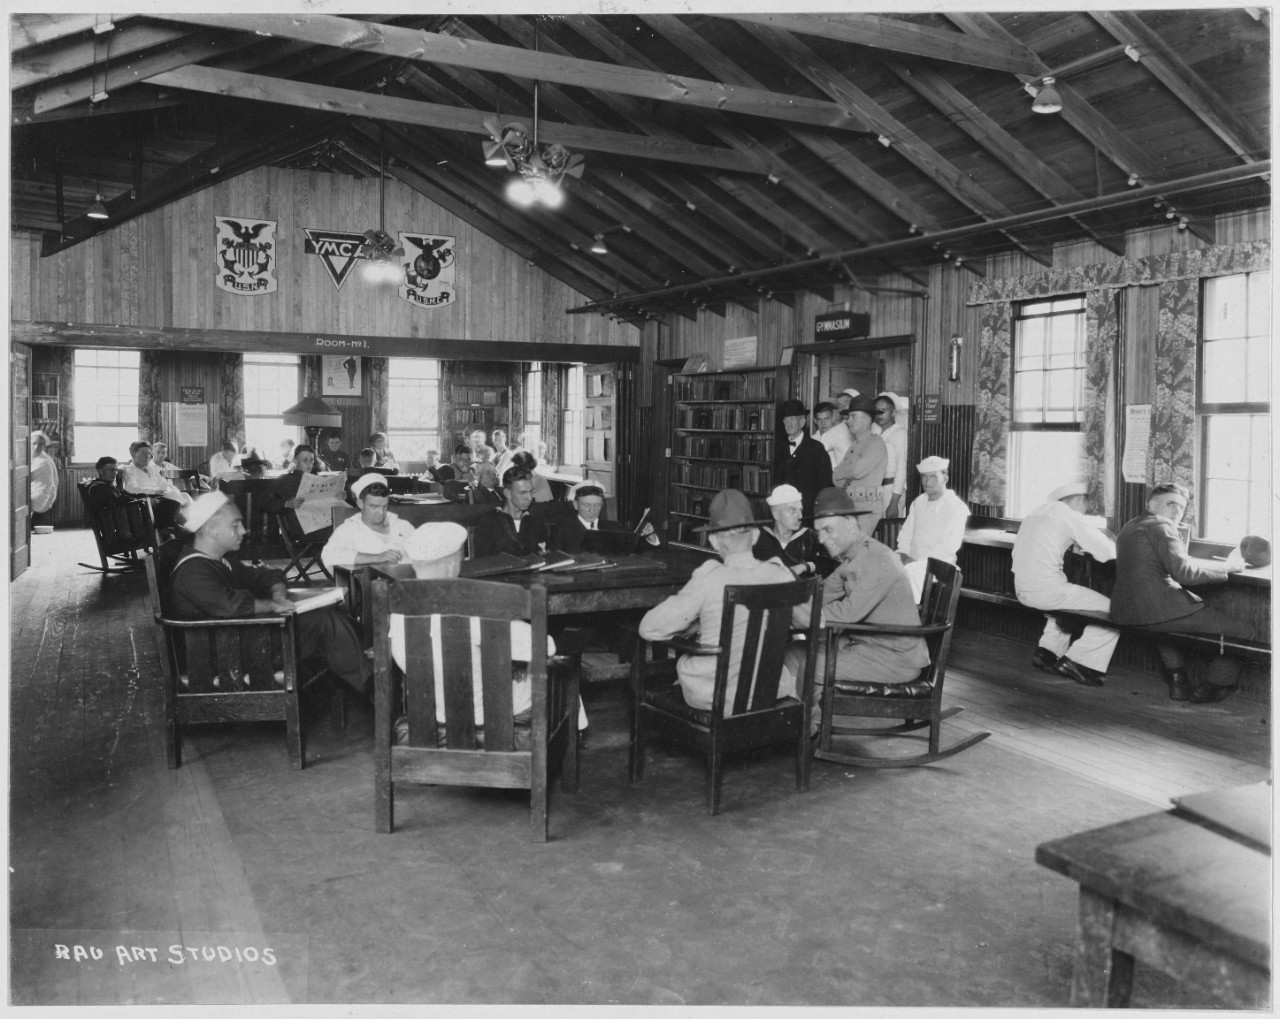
(308, 599)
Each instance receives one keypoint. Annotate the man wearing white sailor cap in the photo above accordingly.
(206, 584)
(1040, 582)
(935, 523)
(894, 434)
(373, 537)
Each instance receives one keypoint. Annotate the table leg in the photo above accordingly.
(1103, 976)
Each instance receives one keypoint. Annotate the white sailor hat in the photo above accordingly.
(933, 463)
(784, 495)
(199, 511)
(1068, 490)
(889, 395)
(852, 393)
(364, 481)
(581, 486)
(436, 539)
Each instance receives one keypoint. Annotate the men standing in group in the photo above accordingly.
(511, 527)
(867, 586)
(1040, 582)
(862, 471)
(205, 584)
(844, 398)
(934, 528)
(805, 463)
(731, 533)
(832, 432)
(894, 435)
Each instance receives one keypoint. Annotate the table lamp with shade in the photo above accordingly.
(312, 415)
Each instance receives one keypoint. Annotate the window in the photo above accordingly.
(1046, 440)
(270, 387)
(533, 411)
(106, 403)
(574, 449)
(413, 408)
(1235, 407)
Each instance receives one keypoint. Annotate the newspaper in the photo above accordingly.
(317, 495)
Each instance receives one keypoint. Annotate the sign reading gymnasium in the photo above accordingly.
(338, 251)
(841, 325)
(428, 265)
(245, 256)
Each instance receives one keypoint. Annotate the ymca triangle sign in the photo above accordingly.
(337, 250)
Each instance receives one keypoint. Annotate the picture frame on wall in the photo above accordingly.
(341, 375)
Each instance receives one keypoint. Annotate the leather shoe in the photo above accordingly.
(1179, 684)
(1045, 660)
(1209, 693)
(1080, 673)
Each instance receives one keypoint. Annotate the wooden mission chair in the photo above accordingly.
(756, 717)
(439, 616)
(231, 670)
(121, 530)
(918, 703)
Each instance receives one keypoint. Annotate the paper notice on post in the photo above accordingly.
(1137, 443)
(317, 495)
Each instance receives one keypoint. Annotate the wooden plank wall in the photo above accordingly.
(158, 270)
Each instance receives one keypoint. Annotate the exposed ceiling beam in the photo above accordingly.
(1173, 72)
(32, 68)
(1077, 111)
(899, 36)
(433, 47)
(902, 139)
(128, 103)
(1130, 196)
(36, 29)
(407, 111)
(970, 119)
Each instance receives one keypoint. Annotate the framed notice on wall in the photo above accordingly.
(340, 375)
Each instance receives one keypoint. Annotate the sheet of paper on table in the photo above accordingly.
(306, 599)
(318, 494)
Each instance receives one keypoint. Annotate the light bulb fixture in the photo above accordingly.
(97, 210)
(520, 192)
(1133, 180)
(884, 140)
(379, 248)
(598, 248)
(1182, 222)
(1047, 99)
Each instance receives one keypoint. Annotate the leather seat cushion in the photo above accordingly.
(916, 688)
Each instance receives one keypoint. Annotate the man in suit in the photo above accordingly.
(805, 462)
(1151, 568)
(577, 524)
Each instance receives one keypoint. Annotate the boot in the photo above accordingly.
(1180, 685)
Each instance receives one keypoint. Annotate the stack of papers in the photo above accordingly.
(306, 599)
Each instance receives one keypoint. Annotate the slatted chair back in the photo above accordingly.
(939, 602)
(444, 621)
(121, 529)
(755, 627)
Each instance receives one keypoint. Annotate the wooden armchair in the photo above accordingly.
(121, 530)
(440, 617)
(918, 703)
(231, 670)
(756, 717)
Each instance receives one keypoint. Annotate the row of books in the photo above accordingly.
(733, 418)
(748, 477)
(695, 503)
(748, 386)
(716, 447)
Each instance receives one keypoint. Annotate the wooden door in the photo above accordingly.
(19, 459)
(600, 425)
(842, 371)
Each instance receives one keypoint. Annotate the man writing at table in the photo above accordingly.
(205, 584)
(373, 537)
(142, 477)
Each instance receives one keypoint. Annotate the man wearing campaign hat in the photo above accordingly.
(935, 524)
(805, 463)
(863, 469)
(894, 435)
(373, 537)
(868, 586)
(1040, 582)
(732, 533)
(205, 584)
(789, 540)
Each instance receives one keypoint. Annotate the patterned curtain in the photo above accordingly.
(309, 374)
(1199, 263)
(65, 359)
(1102, 339)
(1173, 414)
(150, 419)
(991, 425)
(552, 401)
(375, 369)
(448, 431)
(231, 402)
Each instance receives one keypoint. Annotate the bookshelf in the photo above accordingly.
(477, 406)
(724, 434)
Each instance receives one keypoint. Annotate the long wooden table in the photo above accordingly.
(1187, 891)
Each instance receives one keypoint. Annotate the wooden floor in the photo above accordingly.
(105, 838)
